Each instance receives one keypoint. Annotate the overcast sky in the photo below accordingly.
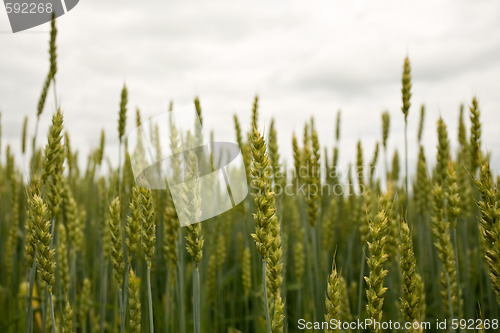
(303, 58)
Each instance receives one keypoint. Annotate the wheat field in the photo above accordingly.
(86, 249)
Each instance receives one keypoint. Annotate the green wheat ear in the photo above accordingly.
(53, 48)
(67, 319)
(148, 226)
(275, 263)
(378, 257)
(443, 155)
(115, 239)
(62, 256)
(453, 196)
(313, 177)
(99, 154)
(373, 164)
(264, 199)
(53, 67)
(406, 90)
(333, 296)
(0, 133)
(490, 225)
(192, 211)
(43, 95)
(337, 125)
(462, 135)
(277, 323)
(134, 299)
(450, 290)
(54, 155)
(475, 136)
(244, 147)
(211, 276)
(122, 114)
(345, 310)
(42, 239)
(171, 235)
(246, 267)
(255, 113)
(395, 167)
(133, 227)
(74, 219)
(410, 279)
(299, 256)
(23, 137)
(421, 123)
(197, 107)
(29, 242)
(297, 160)
(85, 301)
(422, 187)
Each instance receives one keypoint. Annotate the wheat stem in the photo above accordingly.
(266, 305)
(150, 301)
